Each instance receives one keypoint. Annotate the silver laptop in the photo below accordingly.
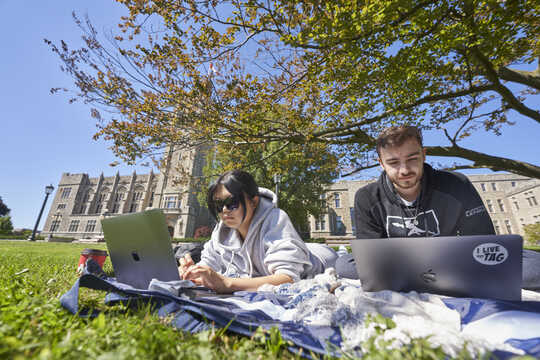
(480, 266)
(140, 248)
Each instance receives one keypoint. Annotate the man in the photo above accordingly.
(411, 198)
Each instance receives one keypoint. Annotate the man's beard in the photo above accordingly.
(408, 184)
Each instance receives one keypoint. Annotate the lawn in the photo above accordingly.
(33, 276)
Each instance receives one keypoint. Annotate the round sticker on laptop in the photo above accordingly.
(490, 254)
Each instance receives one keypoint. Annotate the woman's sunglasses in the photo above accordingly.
(232, 203)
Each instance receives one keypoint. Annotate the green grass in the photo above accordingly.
(33, 325)
(33, 276)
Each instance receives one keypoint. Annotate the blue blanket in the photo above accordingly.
(247, 311)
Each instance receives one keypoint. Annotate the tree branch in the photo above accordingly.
(481, 160)
(506, 94)
(528, 78)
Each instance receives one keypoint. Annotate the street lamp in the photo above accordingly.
(277, 180)
(48, 190)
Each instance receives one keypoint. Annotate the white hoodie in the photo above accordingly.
(272, 246)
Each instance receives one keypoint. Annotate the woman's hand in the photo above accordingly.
(205, 276)
(185, 263)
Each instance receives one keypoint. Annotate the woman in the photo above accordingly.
(254, 242)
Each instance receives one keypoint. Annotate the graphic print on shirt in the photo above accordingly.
(397, 226)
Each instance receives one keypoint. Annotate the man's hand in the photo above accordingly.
(205, 276)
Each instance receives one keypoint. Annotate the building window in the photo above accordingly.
(98, 208)
(339, 225)
(170, 202)
(489, 205)
(337, 200)
(90, 226)
(61, 206)
(151, 202)
(532, 201)
(102, 197)
(119, 196)
(133, 207)
(137, 196)
(508, 226)
(516, 205)
(74, 226)
(496, 226)
(83, 209)
(55, 225)
(483, 186)
(513, 184)
(353, 222)
(116, 208)
(65, 193)
(501, 205)
(494, 186)
(320, 223)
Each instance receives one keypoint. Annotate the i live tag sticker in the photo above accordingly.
(490, 254)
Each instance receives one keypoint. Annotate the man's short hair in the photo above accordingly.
(397, 135)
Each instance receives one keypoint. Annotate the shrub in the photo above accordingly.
(16, 237)
(187, 240)
(532, 234)
(316, 240)
(202, 231)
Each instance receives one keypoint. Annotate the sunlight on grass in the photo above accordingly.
(33, 276)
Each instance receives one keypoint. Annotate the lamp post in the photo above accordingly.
(48, 190)
(277, 180)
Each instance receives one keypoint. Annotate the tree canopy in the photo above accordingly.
(301, 173)
(190, 72)
(4, 210)
(6, 227)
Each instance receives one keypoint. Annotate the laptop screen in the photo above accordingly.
(140, 248)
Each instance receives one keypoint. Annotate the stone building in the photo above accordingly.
(512, 202)
(81, 201)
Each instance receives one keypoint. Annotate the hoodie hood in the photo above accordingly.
(267, 202)
(271, 245)
(236, 253)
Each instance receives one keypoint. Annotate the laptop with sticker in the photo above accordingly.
(480, 266)
(140, 248)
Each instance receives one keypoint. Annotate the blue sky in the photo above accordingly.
(42, 135)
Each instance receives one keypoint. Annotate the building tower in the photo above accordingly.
(81, 202)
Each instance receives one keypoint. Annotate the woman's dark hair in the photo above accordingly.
(238, 183)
